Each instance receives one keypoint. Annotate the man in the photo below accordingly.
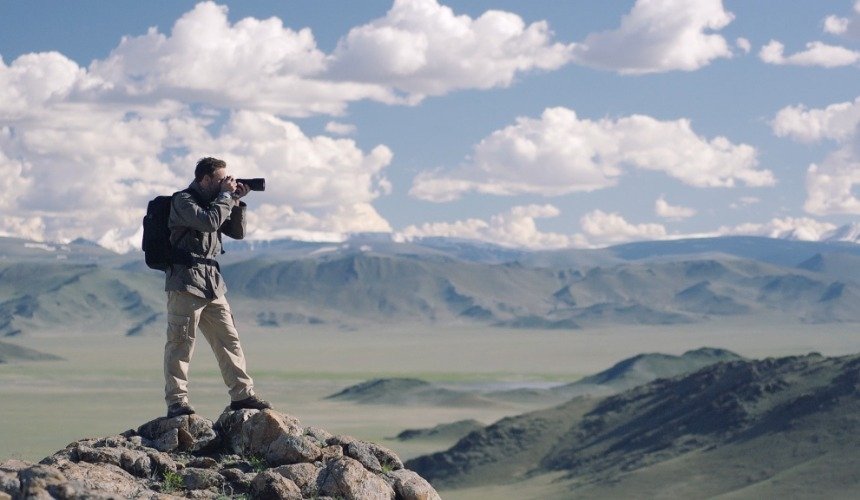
(195, 287)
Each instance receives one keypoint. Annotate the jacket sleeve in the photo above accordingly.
(209, 219)
(234, 226)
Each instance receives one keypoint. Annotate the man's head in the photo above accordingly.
(209, 173)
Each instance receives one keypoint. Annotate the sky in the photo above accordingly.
(542, 124)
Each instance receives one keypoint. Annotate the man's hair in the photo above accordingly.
(207, 166)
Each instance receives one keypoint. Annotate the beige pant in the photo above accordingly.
(185, 313)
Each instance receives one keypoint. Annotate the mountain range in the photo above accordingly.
(747, 428)
(371, 279)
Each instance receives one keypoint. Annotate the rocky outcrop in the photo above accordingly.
(258, 454)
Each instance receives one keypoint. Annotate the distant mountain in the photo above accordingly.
(67, 298)
(448, 431)
(789, 424)
(630, 372)
(848, 232)
(371, 279)
(11, 352)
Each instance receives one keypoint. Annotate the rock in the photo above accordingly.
(168, 441)
(9, 482)
(340, 439)
(161, 462)
(203, 462)
(348, 479)
(304, 475)
(408, 485)
(200, 479)
(331, 452)
(386, 457)
(373, 456)
(264, 427)
(289, 449)
(42, 481)
(239, 480)
(5, 496)
(361, 452)
(191, 433)
(229, 426)
(269, 485)
(106, 479)
(321, 435)
(13, 465)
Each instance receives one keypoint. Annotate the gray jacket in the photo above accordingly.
(195, 228)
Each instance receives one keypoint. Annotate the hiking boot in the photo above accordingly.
(250, 403)
(177, 409)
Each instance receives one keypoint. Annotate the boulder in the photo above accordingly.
(229, 426)
(372, 456)
(264, 427)
(9, 482)
(190, 433)
(332, 452)
(321, 435)
(106, 479)
(289, 449)
(239, 480)
(200, 479)
(304, 475)
(347, 478)
(408, 485)
(269, 485)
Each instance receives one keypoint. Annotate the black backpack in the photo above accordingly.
(157, 250)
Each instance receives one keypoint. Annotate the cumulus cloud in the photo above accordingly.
(844, 26)
(667, 211)
(744, 45)
(603, 228)
(514, 228)
(658, 36)
(816, 54)
(829, 183)
(837, 122)
(338, 128)
(793, 228)
(560, 153)
(423, 48)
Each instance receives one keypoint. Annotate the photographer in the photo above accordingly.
(196, 290)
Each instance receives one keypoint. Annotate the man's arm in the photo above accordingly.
(208, 219)
(234, 226)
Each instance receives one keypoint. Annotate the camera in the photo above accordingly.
(256, 184)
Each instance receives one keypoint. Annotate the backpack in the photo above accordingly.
(157, 250)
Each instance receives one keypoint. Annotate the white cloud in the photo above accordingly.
(830, 183)
(560, 153)
(793, 228)
(92, 175)
(744, 45)
(848, 27)
(658, 36)
(836, 122)
(515, 228)
(816, 54)
(422, 48)
(665, 210)
(744, 201)
(338, 128)
(609, 228)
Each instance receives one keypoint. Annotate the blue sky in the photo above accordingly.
(539, 124)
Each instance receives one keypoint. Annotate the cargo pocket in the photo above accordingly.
(178, 328)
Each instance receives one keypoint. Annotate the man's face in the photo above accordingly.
(212, 183)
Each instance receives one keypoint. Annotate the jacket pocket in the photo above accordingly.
(178, 328)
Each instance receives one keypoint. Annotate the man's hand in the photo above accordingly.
(228, 184)
(241, 190)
